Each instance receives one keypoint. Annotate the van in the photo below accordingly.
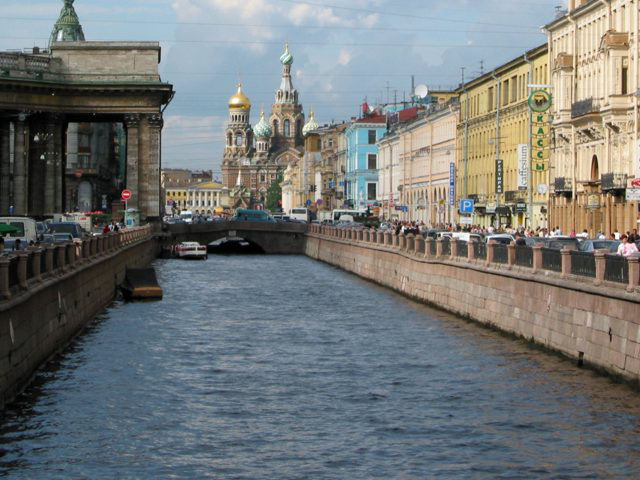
(26, 228)
(248, 215)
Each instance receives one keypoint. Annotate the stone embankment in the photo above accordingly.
(47, 296)
(586, 307)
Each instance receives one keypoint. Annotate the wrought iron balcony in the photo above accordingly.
(511, 195)
(563, 185)
(613, 181)
(584, 107)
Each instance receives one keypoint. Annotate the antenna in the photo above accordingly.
(395, 96)
(462, 69)
(481, 67)
(388, 88)
(422, 91)
(413, 85)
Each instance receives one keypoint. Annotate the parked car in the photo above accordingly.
(57, 238)
(72, 228)
(26, 228)
(503, 238)
(589, 245)
(247, 215)
(559, 243)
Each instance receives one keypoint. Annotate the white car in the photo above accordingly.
(504, 238)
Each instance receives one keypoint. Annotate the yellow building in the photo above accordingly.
(493, 129)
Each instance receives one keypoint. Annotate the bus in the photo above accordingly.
(186, 216)
(299, 214)
(356, 214)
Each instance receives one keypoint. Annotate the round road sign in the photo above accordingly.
(125, 195)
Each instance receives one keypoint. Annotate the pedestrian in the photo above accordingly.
(106, 229)
(1, 244)
(519, 240)
(16, 246)
(616, 234)
(633, 236)
(626, 248)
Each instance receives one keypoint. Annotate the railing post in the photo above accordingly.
(634, 272)
(71, 254)
(402, 241)
(395, 240)
(4, 278)
(419, 244)
(511, 254)
(36, 259)
(23, 258)
(86, 250)
(566, 261)
(93, 245)
(61, 253)
(454, 248)
(439, 247)
(490, 246)
(471, 249)
(537, 257)
(49, 252)
(365, 235)
(380, 239)
(373, 236)
(409, 243)
(427, 246)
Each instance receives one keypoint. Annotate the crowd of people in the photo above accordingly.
(629, 241)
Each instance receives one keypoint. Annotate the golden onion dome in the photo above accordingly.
(239, 101)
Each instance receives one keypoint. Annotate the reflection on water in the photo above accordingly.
(281, 367)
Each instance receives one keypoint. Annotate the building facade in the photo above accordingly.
(361, 176)
(416, 161)
(493, 131)
(595, 76)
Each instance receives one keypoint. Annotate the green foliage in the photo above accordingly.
(274, 193)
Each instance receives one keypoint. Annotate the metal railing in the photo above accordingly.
(421, 247)
(432, 248)
(500, 253)
(524, 256)
(583, 264)
(446, 247)
(463, 249)
(616, 269)
(480, 250)
(551, 259)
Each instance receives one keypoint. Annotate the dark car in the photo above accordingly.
(589, 245)
(72, 228)
(558, 243)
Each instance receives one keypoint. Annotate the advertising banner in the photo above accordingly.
(523, 166)
(452, 183)
(499, 179)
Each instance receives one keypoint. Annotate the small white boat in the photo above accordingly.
(191, 250)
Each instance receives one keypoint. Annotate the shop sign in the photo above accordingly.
(523, 166)
(466, 221)
(540, 101)
(632, 194)
(521, 207)
(593, 201)
(635, 183)
(499, 180)
(452, 183)
(491, 208)
(539, 141)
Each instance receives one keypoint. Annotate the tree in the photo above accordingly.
(274, 193)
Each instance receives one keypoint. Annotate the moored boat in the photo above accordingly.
(191, 250)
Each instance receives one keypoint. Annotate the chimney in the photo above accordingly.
(571, 4)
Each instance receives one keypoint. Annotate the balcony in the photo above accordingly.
(563, 185)
(584, 107)
(613, 181)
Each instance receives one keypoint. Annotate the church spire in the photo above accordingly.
(67, 28)
(286, 93)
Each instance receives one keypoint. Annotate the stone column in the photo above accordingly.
(71, 254)
(490, 246)
(511, 254)
(401, 241)
(537, 257)
(36, 254)
(132, 123)
(439, 247)
(61, 253)
(48, 206)
(454, 247)
(634, 273)
(5, 152)
(388, 239)
(4, 278)
(23, 258)
(373, 236)
(471, 250)
(49, 252)
(380, 238)
(566, 261)
(427, 246)
(365, 235)
(409, 243)
(395, 240)
(59, 166)
(20, 153)
(149, 168)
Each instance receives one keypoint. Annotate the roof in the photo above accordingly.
(372, 119)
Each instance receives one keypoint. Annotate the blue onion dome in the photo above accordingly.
(286, 58)
(262, 128)
(310, 125)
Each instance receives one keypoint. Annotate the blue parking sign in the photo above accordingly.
(466, 205)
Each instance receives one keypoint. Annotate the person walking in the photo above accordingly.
(626, 248)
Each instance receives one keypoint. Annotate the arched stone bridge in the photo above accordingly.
(272, 238)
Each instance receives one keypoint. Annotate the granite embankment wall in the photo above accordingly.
(49, 308)
(599, 324)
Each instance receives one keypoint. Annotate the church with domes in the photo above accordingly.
(253, 156)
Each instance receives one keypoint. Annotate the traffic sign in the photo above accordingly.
(309, 203)
(126, 194)
(466, 205)
(635, 183)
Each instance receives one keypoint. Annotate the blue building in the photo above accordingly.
(361, 176)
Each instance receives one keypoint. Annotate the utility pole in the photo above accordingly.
(497, 140)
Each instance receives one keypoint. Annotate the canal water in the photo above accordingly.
(268, 367)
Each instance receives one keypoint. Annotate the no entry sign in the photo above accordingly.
(125, 195)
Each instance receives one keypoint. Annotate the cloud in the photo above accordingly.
(345, 57)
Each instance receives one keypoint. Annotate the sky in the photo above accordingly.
(344, 51)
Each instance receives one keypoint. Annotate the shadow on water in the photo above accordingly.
(237, 246)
